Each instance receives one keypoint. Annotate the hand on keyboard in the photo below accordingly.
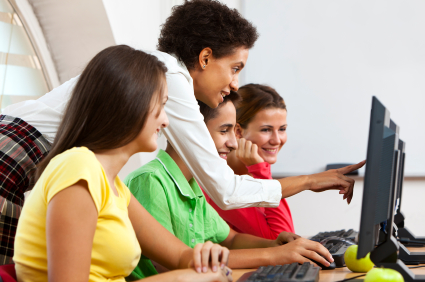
(300, 250)
(286, 237)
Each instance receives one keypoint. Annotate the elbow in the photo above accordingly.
(222, 205)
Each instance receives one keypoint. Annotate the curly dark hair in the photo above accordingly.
(199, 24)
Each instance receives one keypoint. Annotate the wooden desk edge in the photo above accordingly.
(338, 273)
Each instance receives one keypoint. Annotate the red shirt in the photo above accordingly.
(262, 222)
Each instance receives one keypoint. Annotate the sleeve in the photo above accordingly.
(189, 136)
(249, 220)
(260, 170)
(148, 190)
(218, 229)
(71, 167)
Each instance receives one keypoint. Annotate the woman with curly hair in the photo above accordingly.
(205, 45)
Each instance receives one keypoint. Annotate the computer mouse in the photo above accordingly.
(335, 240)
(331, 266)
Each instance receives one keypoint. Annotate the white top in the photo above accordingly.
(45, 113)
(187, 133)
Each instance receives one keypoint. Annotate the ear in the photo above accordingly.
(204, 57)
(238, 131)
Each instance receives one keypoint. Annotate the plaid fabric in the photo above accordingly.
(9, 213)
(22, 147)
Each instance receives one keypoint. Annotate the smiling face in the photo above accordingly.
(157, 119)
(267, 129)
(214, 81)
(222, 130)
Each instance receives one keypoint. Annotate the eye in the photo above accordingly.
(265, 130)
(282, 129)
(224, 131)
(235, 70)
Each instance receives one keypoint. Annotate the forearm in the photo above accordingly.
(294, 185)
(249, 258)
(185, 258)
(175, 275)
(246, 241)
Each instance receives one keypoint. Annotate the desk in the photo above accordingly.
(338, 273)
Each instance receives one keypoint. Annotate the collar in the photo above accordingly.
(189, 189)
(173, 64)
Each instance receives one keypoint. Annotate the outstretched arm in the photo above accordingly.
(247, 153)
(333, 179)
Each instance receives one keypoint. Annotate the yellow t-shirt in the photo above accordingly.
(116, 250)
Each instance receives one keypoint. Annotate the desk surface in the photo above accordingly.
(338, 273)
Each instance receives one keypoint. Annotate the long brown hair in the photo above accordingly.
(110, 102)
(256, 97)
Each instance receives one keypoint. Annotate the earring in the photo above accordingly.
(203, 66)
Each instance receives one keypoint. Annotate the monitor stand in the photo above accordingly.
(403, 232)
(385, 255)
(403, 253)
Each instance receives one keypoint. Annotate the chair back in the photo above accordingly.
(7, 273)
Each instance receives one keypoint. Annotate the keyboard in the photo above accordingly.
(349, 234)
(337, 247)
(306, 272)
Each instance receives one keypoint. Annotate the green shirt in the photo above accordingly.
(177, 204)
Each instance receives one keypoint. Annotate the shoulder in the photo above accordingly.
(170, 62)
(75, 159)
(177, 73)
(68, 168)
(150, 175)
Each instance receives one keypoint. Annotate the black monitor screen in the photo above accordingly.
(379, 177)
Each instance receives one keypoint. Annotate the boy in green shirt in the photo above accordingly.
(166, 188)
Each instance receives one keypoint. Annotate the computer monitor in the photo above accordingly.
(379, 195)
(378, 177)
(404, 234)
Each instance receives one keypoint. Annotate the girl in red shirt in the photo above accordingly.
(261, 133)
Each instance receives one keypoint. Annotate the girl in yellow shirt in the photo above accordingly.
(81, 223)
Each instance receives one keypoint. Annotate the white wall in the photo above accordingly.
(315, 212)
(327, 59)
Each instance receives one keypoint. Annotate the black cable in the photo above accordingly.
(416, 266)
(407, 240)
(348, 279)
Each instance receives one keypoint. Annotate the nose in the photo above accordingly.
(231, 143)
(165, 121)
(275, 140)
(234, 84)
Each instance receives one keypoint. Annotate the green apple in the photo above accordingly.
(354, 264)
(383, 275)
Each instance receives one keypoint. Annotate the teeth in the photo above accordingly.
(270, 150)
(223, 95)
